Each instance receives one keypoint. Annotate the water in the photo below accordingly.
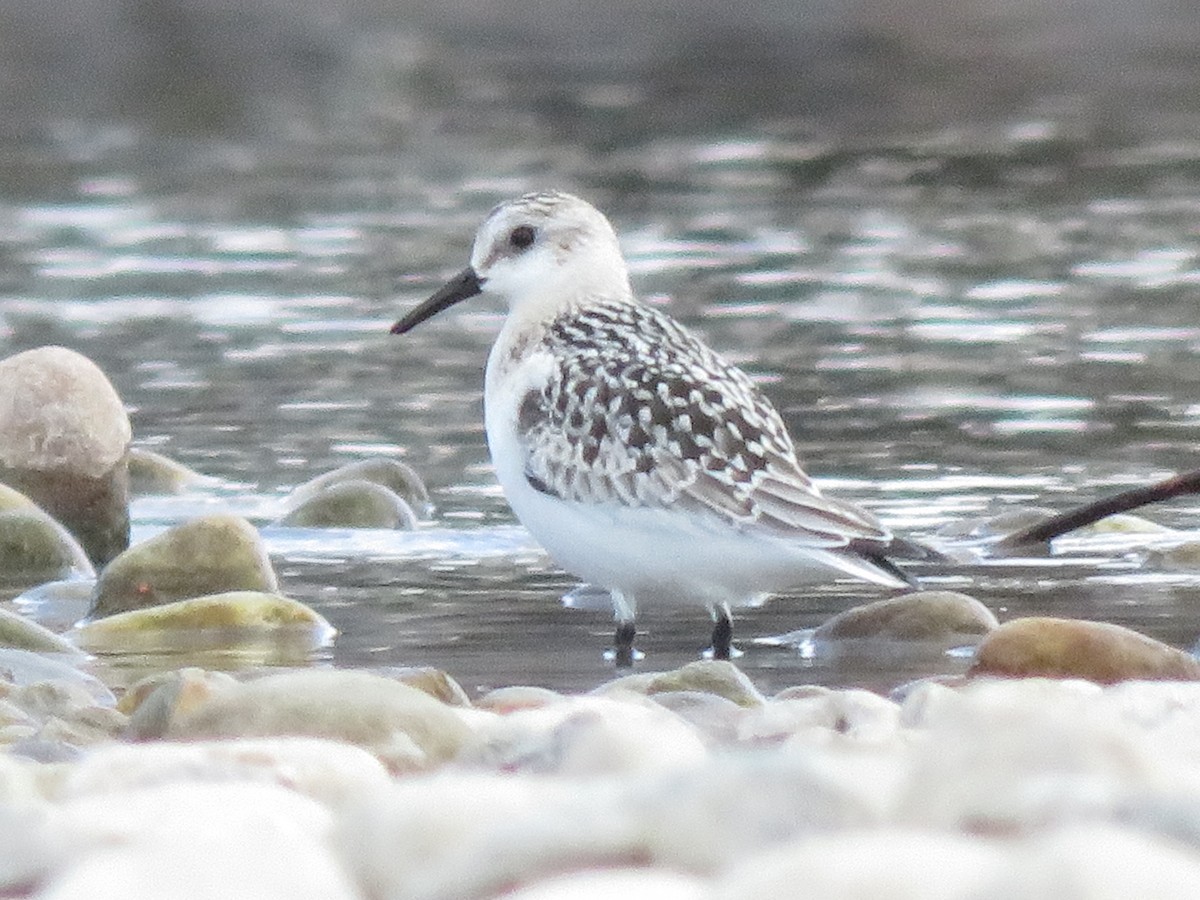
(954, 324)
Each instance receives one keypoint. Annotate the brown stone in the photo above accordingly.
(1070, 648)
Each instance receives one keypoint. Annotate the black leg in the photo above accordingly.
(623, 645)
(722, 636)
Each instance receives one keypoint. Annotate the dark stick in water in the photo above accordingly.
(1048, 529)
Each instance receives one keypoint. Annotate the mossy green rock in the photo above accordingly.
(24, 634)
(399, 478)
(1045, 647)
(352, 504)
(64, 439)
(34, 549)
(229, 614)
(153, 473)
(925, 616)
(209, 555)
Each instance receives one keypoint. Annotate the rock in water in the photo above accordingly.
(353, 504)
(209, 555)
(399, 478)
(218, 621)
(153, 473)
(64, 441)
(1040, 646)
(946, 617)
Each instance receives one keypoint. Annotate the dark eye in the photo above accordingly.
(522, 237)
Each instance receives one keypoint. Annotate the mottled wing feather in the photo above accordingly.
(638, 412)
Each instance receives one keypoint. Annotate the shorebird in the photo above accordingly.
(642, 461)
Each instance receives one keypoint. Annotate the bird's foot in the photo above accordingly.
(623, 654)
(730, 652)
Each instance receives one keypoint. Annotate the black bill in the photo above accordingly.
(463, 285)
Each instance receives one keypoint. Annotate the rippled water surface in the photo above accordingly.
(953, 327)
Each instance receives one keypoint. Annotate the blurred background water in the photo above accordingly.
(957, 244)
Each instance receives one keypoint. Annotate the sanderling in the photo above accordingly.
(641, 460)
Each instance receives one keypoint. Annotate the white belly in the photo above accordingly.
(649, 554)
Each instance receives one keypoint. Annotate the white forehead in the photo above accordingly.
(551, 211)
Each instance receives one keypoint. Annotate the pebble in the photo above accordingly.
(588, 736)
(403, 726)
(1041, 646)
(20, 633)
(354, 784)
(330, 772)
(710, 676)
(1096, 862)
(34, 549)
(217, 620)
(352, 504)
(863, 865)
(198, 840)
(153, 703)
(24, 667)
(151, 473)
(207, 555)
(399, 478)
(64, 436)
(945, 617)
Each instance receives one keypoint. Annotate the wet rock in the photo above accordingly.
(947, 618)
(57, 604)
(209, 555)
(403, 726)
(712, 676)
(1068, 648)
(588, 736)
(327, 771)
(152, 473)
(22, 667)
(352, 504)
(198, 841)
(21, 633)
(218, 620)
(899, 865)
(399, 478)
(64, 436)
(34, 549)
